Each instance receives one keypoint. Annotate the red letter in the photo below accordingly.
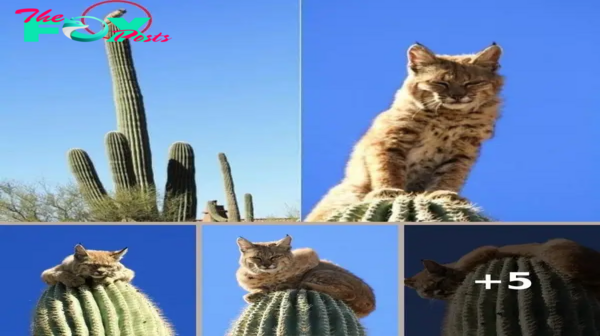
(25, 10)
(138, 38)
(149, 38)
(155, 37)
(57, 18)
(167, 38)
(117, 37)
(42, 17)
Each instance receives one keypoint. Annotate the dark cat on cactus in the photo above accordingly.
(273, 266)
(573, 260)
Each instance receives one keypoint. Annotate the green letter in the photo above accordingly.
(33, 30)
(135, 24)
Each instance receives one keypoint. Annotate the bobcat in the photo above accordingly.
(569, 258)
(430, 137)
(99, 267)
(274, 266)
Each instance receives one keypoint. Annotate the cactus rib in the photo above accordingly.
(118, 309)
(119, 158)
(86, 176)
(249, 207)
(437, 206)
(233, 211)
(180, 190)
(298, 313)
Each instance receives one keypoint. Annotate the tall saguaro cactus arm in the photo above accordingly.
(180, 192)
(86, 176)
(298, 313)
(249, 207)
(129, 103)
(233, 213)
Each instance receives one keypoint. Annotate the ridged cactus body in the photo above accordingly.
(438, 206)
(249, 207)
(118, 309)
(298, 313)
(552, 306)
(128, 148)
(233, 211)
(180, 191)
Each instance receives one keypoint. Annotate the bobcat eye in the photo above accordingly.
(256, 259)
(274, 258)
(473, 83)
(440, 83)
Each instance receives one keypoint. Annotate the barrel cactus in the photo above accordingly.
(553, 305)
(117, 309)
(398, 206)
(298, 313)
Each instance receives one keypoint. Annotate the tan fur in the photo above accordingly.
(427, 140)
(569, 258)
(273, 266)
(99, 267)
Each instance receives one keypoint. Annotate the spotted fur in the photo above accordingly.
(431, 136)
(95, 266)
(273, 266)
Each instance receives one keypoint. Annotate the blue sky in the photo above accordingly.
(228, 81)
(447, 243)
(368, 251)
(543, 163)
(33, 249)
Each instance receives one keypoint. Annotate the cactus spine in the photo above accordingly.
(553, 305)
(398, 206)
(118, 309)
(298, 313)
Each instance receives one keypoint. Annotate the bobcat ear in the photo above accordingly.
(418, 56)
(410, 282)
(488, 57)
(433, 267)
(80, 252)
(285, 242)
(244, 244)
(120, 254)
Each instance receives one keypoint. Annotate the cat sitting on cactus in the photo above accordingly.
(267, 267)
(98, 267)
(430, 137)
(572, 260)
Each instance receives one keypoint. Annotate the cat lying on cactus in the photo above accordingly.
(273, 266)
(573, 260)
(98, 267)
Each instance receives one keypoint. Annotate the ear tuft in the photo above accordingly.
(418, 56)
(489, 57)
(244, 244)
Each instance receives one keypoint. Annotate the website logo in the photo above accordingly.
(73, 28)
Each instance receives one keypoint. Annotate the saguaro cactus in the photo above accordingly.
(553, 305)
(398, 206)
(117, 309)
(298, 313)
(128, 148)
(233, 212)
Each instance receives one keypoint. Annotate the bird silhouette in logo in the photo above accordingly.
(71, 26)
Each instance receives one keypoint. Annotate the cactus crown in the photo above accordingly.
(117, 309)
(553, 305)
(398, 206)
(298, 313)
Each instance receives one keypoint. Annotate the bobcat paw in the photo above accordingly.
(385, 193)
(254, 297)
